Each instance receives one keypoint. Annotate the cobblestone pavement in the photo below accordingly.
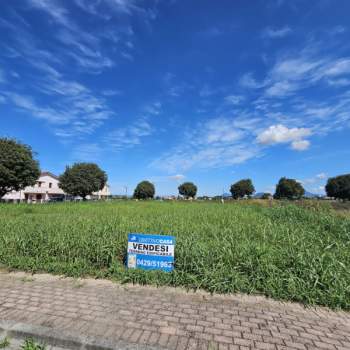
(169, 318)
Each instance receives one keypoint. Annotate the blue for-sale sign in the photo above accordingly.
(151, 252)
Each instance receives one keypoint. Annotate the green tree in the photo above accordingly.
(82, 179)
(242, 188)
(144, 190)
(289, 189)
(188, 189)
(339, 187)
(266, 195)
(18, 168)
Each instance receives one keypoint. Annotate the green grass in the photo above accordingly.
(30, 344)
(285, 252)
(4, 343)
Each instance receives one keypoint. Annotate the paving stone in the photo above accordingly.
(169, 318)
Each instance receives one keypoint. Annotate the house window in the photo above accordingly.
(39, 184)
(50, 185)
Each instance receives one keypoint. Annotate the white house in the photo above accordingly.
(46, 189)
(102, 194)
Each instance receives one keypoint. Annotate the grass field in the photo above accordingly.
(285, 252)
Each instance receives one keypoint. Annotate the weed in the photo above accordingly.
(26, 279)
(30, 344)
(78, 284)
(4, 343)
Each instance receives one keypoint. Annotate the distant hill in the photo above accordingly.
(310, 195)
(306, 195)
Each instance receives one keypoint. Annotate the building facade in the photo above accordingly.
(46, 189)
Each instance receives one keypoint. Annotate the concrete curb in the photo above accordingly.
(64, 339)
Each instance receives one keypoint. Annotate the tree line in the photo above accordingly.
(19, 169)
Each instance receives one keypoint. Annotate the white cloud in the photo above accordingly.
(206, 91)
(95, 65)
(74, 111)
(294, 68)
(178, 177)
(162, 179)
(87, 152)
(89, 49)
(211, 32)
(234, 99)
(296, 72)
(319, 112)
(339, 67)
(62, 87)
(124, 7)
(220, 130)
(15, 74)
(316, 182)
(127, 56)
(216, 143)
(111, 93)
(127, 137)
(276, 33)
(84, 48)
(248, 81)
(301, 145)
(70, 108)
(338, 30)
(204, 157)
(153, 108)
(2, 77)
(281, 134)
(49, 114)
(173, 86)
(293, 73)
(221, 142)
(51, 7)
(280, 88)
(88, 6)
(339, 82)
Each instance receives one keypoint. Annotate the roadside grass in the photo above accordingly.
(4, 343)
(287, 252)
(30, 344)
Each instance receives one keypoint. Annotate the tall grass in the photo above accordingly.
(285, 252)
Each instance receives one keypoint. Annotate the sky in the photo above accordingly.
(172, 91)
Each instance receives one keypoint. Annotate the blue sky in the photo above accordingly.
(169, 91)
